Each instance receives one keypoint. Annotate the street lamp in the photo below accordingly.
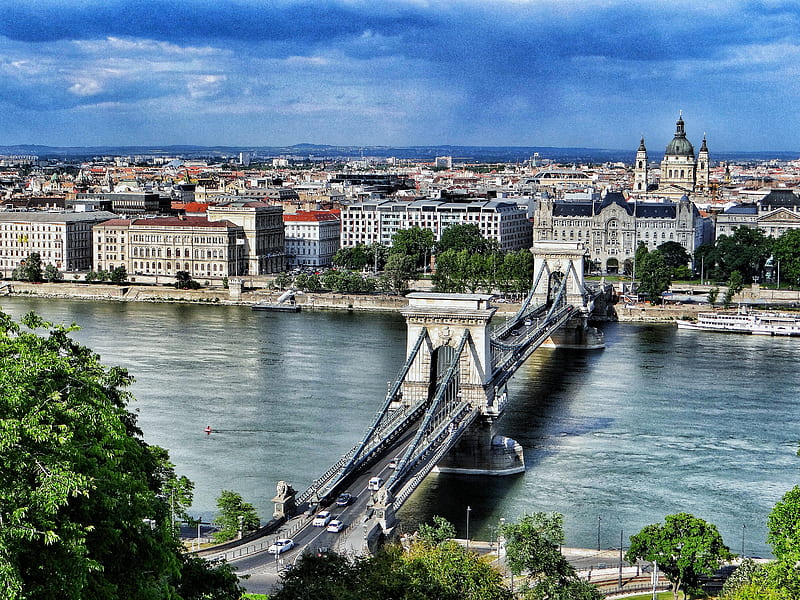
(743, 528)
(598, 531)
(468, 511)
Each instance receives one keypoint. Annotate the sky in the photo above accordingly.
(563, 73)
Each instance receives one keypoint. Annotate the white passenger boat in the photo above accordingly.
(756, 323)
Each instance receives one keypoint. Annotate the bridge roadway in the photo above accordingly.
(516, 339)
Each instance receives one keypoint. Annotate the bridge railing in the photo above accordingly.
(441, 448)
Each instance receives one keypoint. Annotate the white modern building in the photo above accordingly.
(378, 220)
(312, 237)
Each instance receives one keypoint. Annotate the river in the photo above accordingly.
(659, 422)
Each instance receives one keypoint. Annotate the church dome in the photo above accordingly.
(679, 145)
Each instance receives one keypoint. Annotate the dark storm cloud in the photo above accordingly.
(407, 71)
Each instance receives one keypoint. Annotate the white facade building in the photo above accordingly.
(63, 239)
(378, 220)
(165, 245)
(312, 237)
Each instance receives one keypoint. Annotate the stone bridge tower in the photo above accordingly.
(445, 317)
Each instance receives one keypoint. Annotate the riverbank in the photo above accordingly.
(248, 297)
(308, 301)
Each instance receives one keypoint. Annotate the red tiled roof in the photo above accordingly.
(181, 222)
(311, 215)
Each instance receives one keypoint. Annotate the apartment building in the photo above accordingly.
(378, 220)
(63, 239)
(312, 237)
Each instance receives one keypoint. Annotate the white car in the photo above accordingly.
(281, 546)
(335, 526)
(322, 519)
(375, 484)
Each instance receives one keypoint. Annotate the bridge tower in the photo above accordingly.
(553, 261)
(442, 319)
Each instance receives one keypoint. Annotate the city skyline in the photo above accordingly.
(510, 73)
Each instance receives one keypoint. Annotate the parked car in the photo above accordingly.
(344, 499)
(322, 519)
(335, 526)
(374, 484)
(281, 546)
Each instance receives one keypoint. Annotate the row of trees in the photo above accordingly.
(31, 269)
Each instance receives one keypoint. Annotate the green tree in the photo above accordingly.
(52, 274)
(234, 515)
(30, 269)
(684, 548)
(783, 526)
(713, 293)
(81, 494)
(746, 250)
(282, 281)
(533, 548)
(735, 285)
(465, 236)
(639, 256)
(786, 249)
(118, 275)
(416, 242)
(184, 281)
(675, 255)
(399, 271)
(355, 257)
(654, 276)
(441, 531)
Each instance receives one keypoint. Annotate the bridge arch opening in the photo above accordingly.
(553, 285)
(442, 358)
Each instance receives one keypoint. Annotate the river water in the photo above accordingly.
(661, 421)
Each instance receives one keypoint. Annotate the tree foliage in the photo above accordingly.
(30, 269)
(464, 236)
(234, 513)
(533, 548)
(83, 513)
(786, 249)
(443, 570)
(52, 274)
(399, 271)
(684, 547)
(184, 281)
(654, 276)
(415, 242)
(746, 250)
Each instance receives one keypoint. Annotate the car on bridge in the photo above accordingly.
(375, 484)
(335, 526)
(280, 546)
(322, 519)
(344, 499)
(394, 462)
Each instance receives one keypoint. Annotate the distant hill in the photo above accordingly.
(506, 154)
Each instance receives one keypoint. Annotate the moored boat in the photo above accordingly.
(755, 323)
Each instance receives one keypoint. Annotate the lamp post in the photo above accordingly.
(599, 518)
(468, 511)
(743, 528)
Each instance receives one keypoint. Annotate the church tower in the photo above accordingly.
(640, 170)
(701, 183)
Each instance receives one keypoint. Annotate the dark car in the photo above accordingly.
(344, 499)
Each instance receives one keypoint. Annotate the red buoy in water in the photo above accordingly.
(208, 430)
